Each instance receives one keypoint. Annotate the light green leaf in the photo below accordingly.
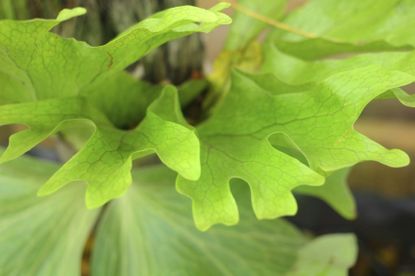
(356, 71)
(349, 26)
(164, 26)
(326, 135)
(405, 98)
(296, 71)
(149, 232)
(330, 255)
(40, 236)
(235, 145)
(335, 192)
(46, 236)
(106, 159)
(317, 117)
(36, 64)
(244, 28)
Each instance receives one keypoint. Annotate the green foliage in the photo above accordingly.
(149, 231)
(40, 236)
(235, 145)
(327, 255)
(318, 119)
(108, 154)
(279, 116)
(347, 26)
(65, 84)
(55, 67)
(61, 83)
(238, 39)
(305, 107)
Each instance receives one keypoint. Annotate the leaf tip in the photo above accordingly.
(10, 154)
(288, 207)
(225, 19)
(397, 158)
(221, 6)
(350, 215)
(316, 179)
(67, 14)
(204, 225)
(192, 174)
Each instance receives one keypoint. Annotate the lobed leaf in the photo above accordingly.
(316, 111)
(235, 145)
(352, 83)
(53, 84)
(106, 159)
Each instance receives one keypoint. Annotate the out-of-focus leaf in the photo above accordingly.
(245, 28)
(149, 232)
(345, 26)
(40, 236)
(330, 255)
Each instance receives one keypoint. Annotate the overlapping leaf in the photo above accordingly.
(315, 111)
(37, 64)
(317, 117)
(152, 221)
(235, 145)
(138, 231)
(124, 100)
(64, 83)
(386, 70)
(349, 26)
(300, 72)
(336, 31)
(335, 191)
(105, 161)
